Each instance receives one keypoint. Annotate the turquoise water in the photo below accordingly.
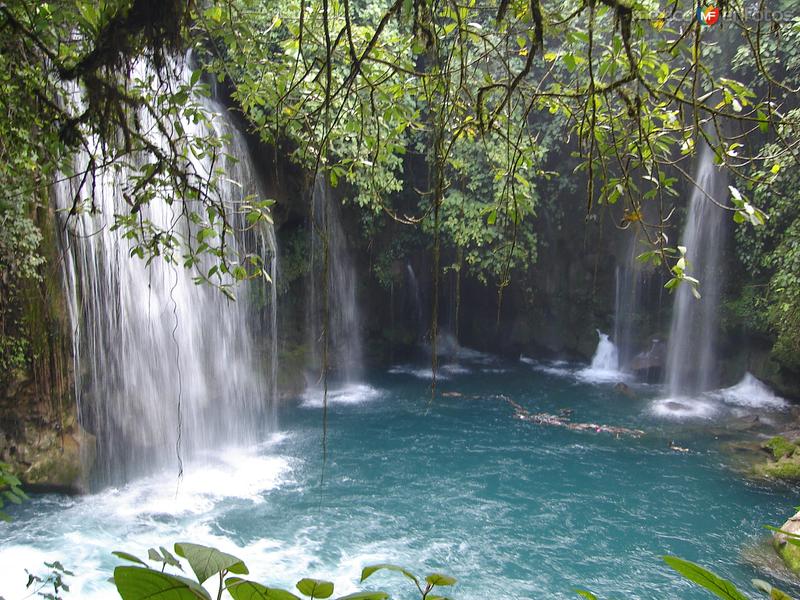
(512, 509)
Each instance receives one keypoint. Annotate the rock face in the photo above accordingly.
(43, 442)
(790, 553)
(48, 456)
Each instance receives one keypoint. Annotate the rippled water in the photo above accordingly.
(512, 509)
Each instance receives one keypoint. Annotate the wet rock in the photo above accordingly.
(63, 464)
(790, 553)
(676, 406)
(649, 365)
(624, 389)
(49, 455)
(746, 423)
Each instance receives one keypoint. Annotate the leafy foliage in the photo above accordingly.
(10, 490)
(140, 582)
(51, 585)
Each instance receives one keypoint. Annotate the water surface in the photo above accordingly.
(512, 509)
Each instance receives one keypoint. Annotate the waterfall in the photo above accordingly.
(155, 355)
(606, 357)
(605, 363)
(330, 252)
(416, 299)
(691, 363)
(627, 305)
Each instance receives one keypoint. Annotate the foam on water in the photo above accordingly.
(418, 372)
(751, 392)
(445, 371)
(684, 408)
(592, 375)
(559, 368)
(454, 369)
(144, 513)
(350, 393)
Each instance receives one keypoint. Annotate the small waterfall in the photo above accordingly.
(329, 250)
(627, 305)
(606, 357)
(147, 339)
(605, 363)
(636, 302)
(691, 363)
(416, 299)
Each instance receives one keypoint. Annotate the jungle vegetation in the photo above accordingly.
(447, 116)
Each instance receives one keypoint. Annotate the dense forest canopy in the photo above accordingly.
(447, 115)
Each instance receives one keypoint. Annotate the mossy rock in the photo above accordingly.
(780, 447)
(63, 465)
(786, 468)
(789, 552)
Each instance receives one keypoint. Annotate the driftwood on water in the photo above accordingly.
(562, 420)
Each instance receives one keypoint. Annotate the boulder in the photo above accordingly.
(790, 553)
(624, 389)
(650, 362)
(49, 456)
(63, 464)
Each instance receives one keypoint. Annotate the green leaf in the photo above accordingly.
(128, 557)
(139, 583)
(367, 571)
(239, 272)
(316, 588)
(585, 594)
(439, 579)
(12, 497)
(169, 558)
(712, 582)
(153, 554)
(206, 562)
(214, 13)
(367, 596)
(241, 589)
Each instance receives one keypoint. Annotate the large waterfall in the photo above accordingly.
(332, 299)
(691, 363)
(164, 366)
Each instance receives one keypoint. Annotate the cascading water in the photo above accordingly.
(416, 299)
(691, 363)
(155, 355)
(605, 362)
(606, 357)
(627, 303)
(333, 291)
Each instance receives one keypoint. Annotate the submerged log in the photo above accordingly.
(563, 420)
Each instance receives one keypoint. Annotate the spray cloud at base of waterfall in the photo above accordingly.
(691, 360)
(145, 336)
(750, 392)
